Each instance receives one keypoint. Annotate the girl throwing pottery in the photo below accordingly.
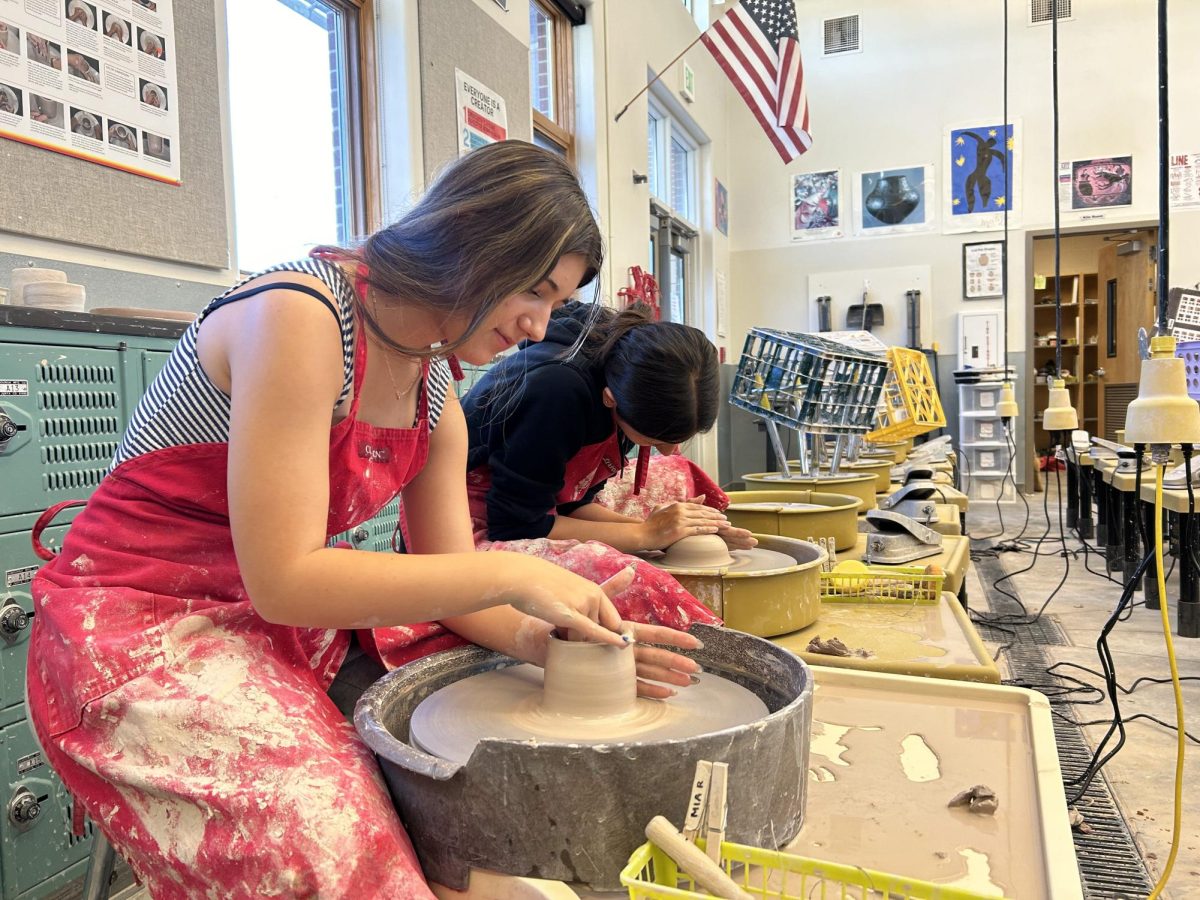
(550, 424)
(188, 630)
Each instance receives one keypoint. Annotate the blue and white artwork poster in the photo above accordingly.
(895, 201)
(981, 175)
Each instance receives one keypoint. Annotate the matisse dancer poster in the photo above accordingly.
(982, 168)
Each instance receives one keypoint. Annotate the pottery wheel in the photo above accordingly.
(757, 559)
(507, 704)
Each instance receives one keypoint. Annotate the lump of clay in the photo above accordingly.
(700, 551)
(980, 799)
(835, 647)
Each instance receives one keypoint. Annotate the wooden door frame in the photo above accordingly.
(1025, 379)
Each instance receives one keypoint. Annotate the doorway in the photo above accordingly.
(1107, 290)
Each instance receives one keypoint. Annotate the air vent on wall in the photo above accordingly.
(1041, 11)
(1117, 398)
(842, 36)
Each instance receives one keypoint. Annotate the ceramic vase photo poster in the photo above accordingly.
(816, 206)
(983, 178)
(895, 201)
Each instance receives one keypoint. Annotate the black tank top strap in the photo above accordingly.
(276, 286)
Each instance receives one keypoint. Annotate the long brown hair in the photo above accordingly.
(664, 376)
(494, 223)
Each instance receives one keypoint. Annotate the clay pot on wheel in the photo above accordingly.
(892, 199)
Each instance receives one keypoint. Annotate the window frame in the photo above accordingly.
(672, 233)
(559, 131)
(668, 130)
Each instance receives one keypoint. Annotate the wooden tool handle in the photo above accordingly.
(692, 861)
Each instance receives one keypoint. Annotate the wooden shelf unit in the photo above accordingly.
(1081, 333)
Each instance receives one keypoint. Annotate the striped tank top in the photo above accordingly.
(183, 406)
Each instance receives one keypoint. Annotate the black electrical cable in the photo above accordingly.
(1024, 618)
(1054, 181)
(1007, 195)
(1110, 677)
(1170, 726)
(1164, 182)
(1148, 679)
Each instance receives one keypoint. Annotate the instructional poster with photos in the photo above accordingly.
(94, 79)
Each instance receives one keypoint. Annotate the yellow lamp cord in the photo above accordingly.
(1166, 624)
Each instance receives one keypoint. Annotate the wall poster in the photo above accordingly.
(481, 116)
(816, 210)
(1095, 185)
(93, 80)
(721, 202)
(983, 270)
(1184, 184)
(895, 201)
(983, 175)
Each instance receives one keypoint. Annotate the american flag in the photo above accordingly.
(756, 43)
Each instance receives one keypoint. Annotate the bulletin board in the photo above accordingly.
(458, 34)
(48, 195)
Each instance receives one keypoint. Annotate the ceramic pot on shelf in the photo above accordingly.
(892, 199)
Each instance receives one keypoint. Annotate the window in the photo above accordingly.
(672, 157)
(303, 163)
(551, 78)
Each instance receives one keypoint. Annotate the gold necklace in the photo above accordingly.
(400, 394)
(387, 357)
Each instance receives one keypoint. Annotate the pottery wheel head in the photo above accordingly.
(700, 551)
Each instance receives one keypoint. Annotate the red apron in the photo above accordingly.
(195, 733)
(654, 597)
(668, 479)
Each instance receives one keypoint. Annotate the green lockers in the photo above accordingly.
(69, 383)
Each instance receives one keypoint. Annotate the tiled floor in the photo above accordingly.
(1142, 774)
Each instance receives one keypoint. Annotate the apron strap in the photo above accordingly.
(639, 474)
(43, 521)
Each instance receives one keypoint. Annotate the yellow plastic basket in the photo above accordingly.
(771, 875)
(910, 404)
(883, 584)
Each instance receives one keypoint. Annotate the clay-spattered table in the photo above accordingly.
(936, 641)
(887, 754)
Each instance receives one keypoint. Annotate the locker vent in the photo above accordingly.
(383, 526)
(1041, 11)
(78, 440)
(842, 36)
(88, 829)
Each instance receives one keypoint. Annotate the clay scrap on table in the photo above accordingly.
(980, 799)
(834, 647)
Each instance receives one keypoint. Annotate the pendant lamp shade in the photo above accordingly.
(1007, 407)
(1163, 413)
(1060, 414)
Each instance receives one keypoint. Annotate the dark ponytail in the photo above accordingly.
(664, 375)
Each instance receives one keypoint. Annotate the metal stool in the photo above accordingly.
(98, 880)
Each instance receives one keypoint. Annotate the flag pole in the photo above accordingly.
(663, 70)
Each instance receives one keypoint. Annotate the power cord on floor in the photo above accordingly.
(1100, 757)
(1024, 618)
(1181, 729)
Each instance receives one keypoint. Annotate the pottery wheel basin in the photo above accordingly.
(572, 812)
